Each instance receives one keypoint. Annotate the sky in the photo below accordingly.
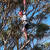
(47, 21)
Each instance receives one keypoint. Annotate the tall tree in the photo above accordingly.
(10, 25)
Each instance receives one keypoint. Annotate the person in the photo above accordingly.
(25, 23)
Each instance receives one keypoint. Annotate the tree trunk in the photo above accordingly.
(17, 44)
(5, 45)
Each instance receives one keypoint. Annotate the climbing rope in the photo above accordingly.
(24, 2)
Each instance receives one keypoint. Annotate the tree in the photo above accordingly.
(13, 35)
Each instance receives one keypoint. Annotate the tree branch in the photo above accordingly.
(10, 44)
(24, 45)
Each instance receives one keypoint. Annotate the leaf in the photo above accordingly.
(37, 48)
(42, 27)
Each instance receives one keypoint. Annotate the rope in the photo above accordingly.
(24, 1)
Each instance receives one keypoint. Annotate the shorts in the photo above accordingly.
(26, 26)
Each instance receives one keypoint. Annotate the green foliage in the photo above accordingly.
(40, 35)
(32, 0)
(42, 27)
(15, 26)
(0, 37)
(4, 34)
(37, 48)
(22, 7)
(47, 44)
(0, 8)
(48, 10)
(20, 1)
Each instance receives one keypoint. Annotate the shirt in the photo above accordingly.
(24, 20)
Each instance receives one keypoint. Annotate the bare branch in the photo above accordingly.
(24, 45)
(10, 44)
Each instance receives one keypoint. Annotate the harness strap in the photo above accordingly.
(24, 20)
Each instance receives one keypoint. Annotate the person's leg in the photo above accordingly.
(25, 32)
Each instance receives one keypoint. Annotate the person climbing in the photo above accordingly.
(25, 23)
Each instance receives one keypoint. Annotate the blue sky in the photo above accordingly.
(47, 21)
